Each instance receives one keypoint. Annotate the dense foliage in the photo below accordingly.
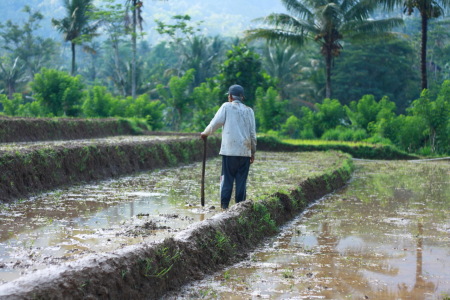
(179, 83)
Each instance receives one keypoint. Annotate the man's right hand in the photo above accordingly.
(203, 136)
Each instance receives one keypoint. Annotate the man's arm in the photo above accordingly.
(216, 123)
(253, 136)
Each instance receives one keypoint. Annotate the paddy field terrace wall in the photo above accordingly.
(34, 170)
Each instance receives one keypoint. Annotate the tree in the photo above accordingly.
(98, 103)
(365, 111)
(77, 26)
(142, 107)
(281, 62)
(369, 68)
(111, 17)
(269, 109)
(176, 97)
(12, 72)
(329, 114)
(58, 91)
(136, 20)
(436, 115)
(194, 51)
(243, 67)
(206, 98)
(20, 41)
(326, 22)
(428, 9)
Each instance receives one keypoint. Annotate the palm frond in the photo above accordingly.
(330, 13)
(274, 35)
(360, 10)
(346, 5)
(390, 4)
(298, 9)
(381, 36)
(371, 26)
(289, 23)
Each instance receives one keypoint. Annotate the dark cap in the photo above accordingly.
(236, 90)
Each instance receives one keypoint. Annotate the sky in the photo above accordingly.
(227, 18)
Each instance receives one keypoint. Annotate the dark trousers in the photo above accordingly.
(233, 168)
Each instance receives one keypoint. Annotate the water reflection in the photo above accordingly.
(108, 215)
(385, 236)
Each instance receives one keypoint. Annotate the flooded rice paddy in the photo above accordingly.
(68, 223)
(385, 236)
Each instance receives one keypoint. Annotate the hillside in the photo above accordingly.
(228, 18)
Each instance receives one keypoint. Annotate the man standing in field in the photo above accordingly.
(238, 144)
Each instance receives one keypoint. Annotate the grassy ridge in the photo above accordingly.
(355, 149)
(45, 129)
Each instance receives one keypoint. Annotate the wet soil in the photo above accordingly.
(71, 223)
(116, 140)
(385, 236)
(29, 168)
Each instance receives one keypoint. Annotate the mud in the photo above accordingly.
(384, 236)
(26, 171)
(70, 223)
(147, 271)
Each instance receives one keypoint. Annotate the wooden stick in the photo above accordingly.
(203, 174)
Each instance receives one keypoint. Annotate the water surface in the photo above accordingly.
(69, 223)
(385, 236)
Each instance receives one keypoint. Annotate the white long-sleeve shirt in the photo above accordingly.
(239, 130)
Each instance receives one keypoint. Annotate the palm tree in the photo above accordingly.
(327, 22)
(12, 73)
(136, 20)
(428, 9)
(281, 62)
(76, 26)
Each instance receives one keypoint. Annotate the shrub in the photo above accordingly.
(98, 103)
(59, 92)
(17, 106)
(307, 134)
(269, 109)
(376, 139)
(341, 133)
(291, 127)
(331, 135)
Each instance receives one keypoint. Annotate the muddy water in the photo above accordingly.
(385, 236)
(69, 223)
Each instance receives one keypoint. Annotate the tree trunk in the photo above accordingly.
(433, 140)
(133, 42)
(11, 89)
(423, 51)
(73, 59)
(122, 84)
(328, 58)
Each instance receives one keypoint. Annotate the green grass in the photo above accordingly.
(356, 149)
(327, 143)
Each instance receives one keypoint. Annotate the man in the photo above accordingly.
(238, 144)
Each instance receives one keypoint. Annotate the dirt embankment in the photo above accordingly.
(148, 271)
(46, 129)
(29, 171)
